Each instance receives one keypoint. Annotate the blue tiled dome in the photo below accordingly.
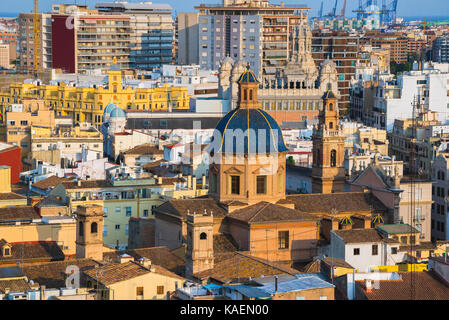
(247, 77)
(118, 113)
(109, 108)
(260, 142)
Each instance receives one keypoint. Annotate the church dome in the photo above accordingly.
(264, 136)
(109, 108)
(117, 113)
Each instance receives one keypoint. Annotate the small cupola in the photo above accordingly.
(248, 86)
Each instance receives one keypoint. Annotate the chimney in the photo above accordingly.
(369, 285)
(78, 183)
(145, 262)
(124, 258)
(203, 182)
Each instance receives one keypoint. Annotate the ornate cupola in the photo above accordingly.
(248, 84)
(248, 151)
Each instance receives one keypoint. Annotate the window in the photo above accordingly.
(261, 184)
(117, 209)
(117, 227)
(203, 236)
(356, 251)
(126, 229)
(139, 291)
(333, 158)
(93, 227)
(235, 184)
(394, 250)
(375, 250)
(283, 239)
(145, 213)
(6, 252)
(105, 231)
(160, 289)
(214, 181)
(128, 211)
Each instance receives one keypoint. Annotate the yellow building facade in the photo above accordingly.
(87, 104)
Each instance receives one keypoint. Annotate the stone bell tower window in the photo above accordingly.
(93, 228)
(333, 158)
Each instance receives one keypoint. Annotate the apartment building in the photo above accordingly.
(440, 50)
(425, 141)
(84, 41)
(21, 117)
(81, 143)
(342, 48)
(440, 194)
(255, 31)
(25, 41)
(188, 38)
(152, 32)
(378, 103)
(398, 43)
(346, 24)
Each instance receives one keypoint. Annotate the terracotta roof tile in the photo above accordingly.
(427, 286)
(144, 149)
(180, 207)
(18, 285)
(11, 196)
(267, 212)
(240, 267)
(117, 272)
(161, 256)
(33, 252)
(359, 235)
(52, 274)
(49, 183)
(342, 202)
(18, 214)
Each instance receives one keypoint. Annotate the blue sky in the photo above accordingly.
(405, 7)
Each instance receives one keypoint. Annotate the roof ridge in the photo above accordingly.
(258, 211)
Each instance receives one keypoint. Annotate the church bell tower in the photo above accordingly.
(328, 172)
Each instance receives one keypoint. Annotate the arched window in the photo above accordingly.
(333, 158)
(250, 95)
(245, 96)
(203, 236)
(331, 107)
(81, 228)
(93, 227)
(331, 125)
